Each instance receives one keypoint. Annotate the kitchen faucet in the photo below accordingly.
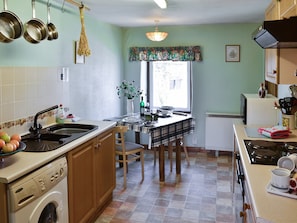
(35, 129)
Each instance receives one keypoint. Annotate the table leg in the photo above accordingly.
(178, 159)
(170, 150)
(161, 163)
(137, 140)
(137, 137)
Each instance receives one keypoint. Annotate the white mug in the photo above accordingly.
(280, 178)
(286, 162)
(294, 158)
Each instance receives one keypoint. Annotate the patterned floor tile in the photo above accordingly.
(203, 194)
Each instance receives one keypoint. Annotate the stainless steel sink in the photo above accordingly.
(69, 130)
(55, 136)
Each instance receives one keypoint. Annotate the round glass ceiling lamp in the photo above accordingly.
(156, 35)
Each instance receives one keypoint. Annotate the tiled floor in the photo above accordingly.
(204, 194)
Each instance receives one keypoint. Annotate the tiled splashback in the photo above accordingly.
(26, 91)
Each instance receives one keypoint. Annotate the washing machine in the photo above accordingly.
(41, 196)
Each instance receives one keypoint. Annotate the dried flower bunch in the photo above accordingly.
(128, 89)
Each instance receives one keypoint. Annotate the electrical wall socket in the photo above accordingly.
(63, 74)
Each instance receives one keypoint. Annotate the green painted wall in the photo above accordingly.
(217, 84)
(92, 85)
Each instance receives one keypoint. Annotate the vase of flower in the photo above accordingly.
(130, 106)
(130, 91)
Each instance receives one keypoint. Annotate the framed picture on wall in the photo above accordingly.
(78, 59)
(232, 53)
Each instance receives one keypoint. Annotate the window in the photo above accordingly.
(169, 84)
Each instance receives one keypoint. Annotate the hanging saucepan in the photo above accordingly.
(52, 30)
(35, 29)
(11, 27)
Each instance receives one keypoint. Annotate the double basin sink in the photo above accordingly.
(55, 136)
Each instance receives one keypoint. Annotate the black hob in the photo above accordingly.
(268, 152)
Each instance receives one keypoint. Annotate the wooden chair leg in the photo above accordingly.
(125, 172)
(185, 151)
(142, 165)
(155, 155)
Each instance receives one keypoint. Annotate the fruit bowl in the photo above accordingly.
(19, 149)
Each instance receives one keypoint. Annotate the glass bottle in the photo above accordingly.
(142, 107)
(262, 91)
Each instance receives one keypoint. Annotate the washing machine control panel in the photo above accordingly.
(34, 185)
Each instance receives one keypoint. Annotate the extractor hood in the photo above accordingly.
(277, 34)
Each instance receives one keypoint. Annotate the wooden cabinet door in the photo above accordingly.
(287, 8)
(271, 65)
(105, 167)
(271, 55)
(273, 12)
(3, 203)
(81, 181)
(288, 66)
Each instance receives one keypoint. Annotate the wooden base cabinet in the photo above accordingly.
(91, 177)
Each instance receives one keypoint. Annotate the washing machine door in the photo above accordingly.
(49, 214)
(50, 209)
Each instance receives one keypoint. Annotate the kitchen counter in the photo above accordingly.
(267, 207)
(21, 163)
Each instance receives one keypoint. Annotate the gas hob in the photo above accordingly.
(268, 152)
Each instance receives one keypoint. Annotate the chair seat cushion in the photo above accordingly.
(130, 146)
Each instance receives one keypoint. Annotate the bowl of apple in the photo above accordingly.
(10, 145)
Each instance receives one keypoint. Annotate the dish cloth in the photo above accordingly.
(275, 132)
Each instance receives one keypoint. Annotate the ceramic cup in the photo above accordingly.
(280, 178)
(294, 158)
(293, 182)
(288, 121)
(286, 162)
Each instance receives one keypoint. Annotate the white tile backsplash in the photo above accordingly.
(28, 90)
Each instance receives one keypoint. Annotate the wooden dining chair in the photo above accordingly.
(127, 151)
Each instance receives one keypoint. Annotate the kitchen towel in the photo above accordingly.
(275, 132)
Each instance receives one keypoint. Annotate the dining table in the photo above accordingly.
(167, 129)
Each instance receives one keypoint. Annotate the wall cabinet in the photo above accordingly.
(91, 177)
(287, 8)
(280, 64)
(273, 11)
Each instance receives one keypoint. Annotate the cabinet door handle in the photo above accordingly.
(274, 71)
(242, 214)
(247, 206)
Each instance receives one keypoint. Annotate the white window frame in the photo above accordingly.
(146, 80)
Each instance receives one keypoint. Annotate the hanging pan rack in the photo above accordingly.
(76, 4)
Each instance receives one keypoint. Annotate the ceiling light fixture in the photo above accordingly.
(156, 35)
(161, 3)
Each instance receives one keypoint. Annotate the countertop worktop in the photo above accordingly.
(22, 163)
(267, 207)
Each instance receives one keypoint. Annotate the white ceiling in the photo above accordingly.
(137, 13)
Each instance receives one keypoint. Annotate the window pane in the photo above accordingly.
(170, 84)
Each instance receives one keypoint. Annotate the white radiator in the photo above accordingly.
(219, 131)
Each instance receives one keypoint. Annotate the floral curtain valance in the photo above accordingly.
(180, 53)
